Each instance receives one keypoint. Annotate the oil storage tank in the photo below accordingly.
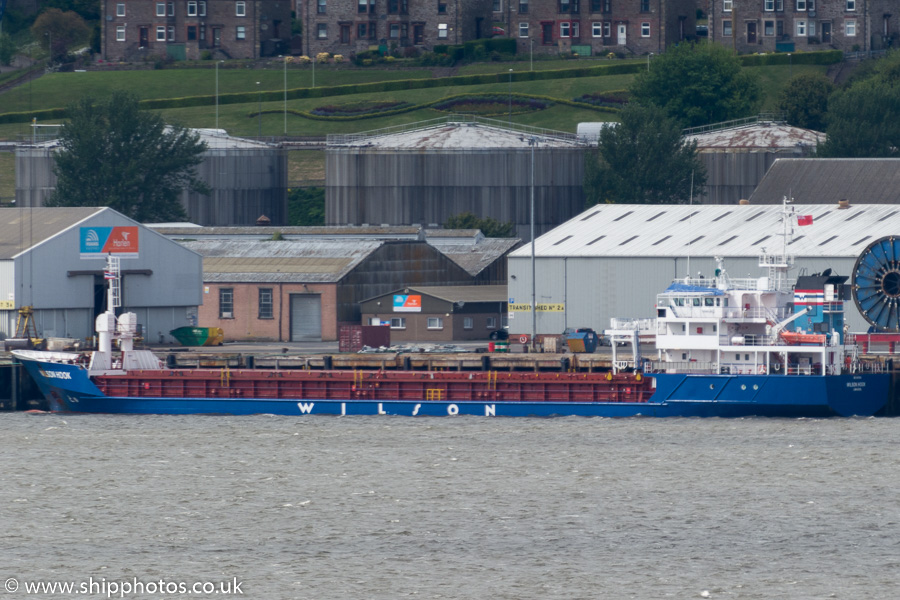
(428, 172)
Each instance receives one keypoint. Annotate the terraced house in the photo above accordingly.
(597, 27)
(189, 29)
(795, 25)
(347, 27)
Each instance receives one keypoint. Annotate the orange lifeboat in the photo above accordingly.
(794, 338)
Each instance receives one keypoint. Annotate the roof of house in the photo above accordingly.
(827, 180)
(629, 230)
(252, 261)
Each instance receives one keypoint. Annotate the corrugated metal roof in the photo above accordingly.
(317, 261)
(827, 180)
(367, 232)
(718, 230)
(760, 136)
(23, 228)
(215, 139)
(475, 257)
(453, 136)
(465, 293)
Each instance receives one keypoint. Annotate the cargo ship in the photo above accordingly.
(725, 348)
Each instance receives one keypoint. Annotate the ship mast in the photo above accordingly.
(779, 265)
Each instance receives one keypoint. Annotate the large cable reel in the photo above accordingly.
(876, 284)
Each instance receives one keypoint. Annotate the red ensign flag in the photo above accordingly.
(804, 219)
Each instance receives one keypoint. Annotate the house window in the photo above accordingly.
(320, 6)
(468, 323)
(442, 7)
(645, 29)
(597, 29)
(769, 28)
(564, 6)
(322, 31)
(160, 33)
(645, 5)
(240, 33)
(801, 5)
(398, 322)
(171, 31)
(575, 29)
(226, 303)
(202, 8)
(726, 28)
(727, 5)
(811, 25)
(365, 31)
(523, 7)
(607, 29)
(120, 9)
(850, 28)
(435, 323)
(607, 6)
(596, 6)
(442, 31)
(265, 303)
(769, 5)
(851, 5)
(491, 323)
(395, 31)
(240, 9)
(120, 33)
(779, 5)
(801, 28)
(192, 33)
(192, 9)
(564, 29)
(171, 7)
(523, 29)
(160, 9)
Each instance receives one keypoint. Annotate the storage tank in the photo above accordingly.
(426, 174)
(247, 179)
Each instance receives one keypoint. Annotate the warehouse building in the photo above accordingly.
(53, 260)
(830, 180)
(613, 260)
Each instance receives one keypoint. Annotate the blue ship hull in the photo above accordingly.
(69, 389)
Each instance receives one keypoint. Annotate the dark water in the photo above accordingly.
(463, 508)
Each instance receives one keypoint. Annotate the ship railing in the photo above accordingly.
(749, 340)
(640, 325)
(657, 366)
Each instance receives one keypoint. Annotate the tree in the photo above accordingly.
(306, 206)
(863, 121)
(61, 30)
(643, 160)
(114, 154)
(699, 84)
(491, 228)
(7, 49)
(804, 101)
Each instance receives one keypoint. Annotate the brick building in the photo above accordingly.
(794, 25)
(349, 26)
(185, 29)
(597, 27)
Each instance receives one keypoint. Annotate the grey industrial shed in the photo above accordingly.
(44, 264)
(247, 179)
(426, 173)
(830, 180)
(612, 260)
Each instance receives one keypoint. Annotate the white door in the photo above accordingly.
(621, 37)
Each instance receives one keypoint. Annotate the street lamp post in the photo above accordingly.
(259, 109)
(531, 55)
(649, 56)
(510, 96)
(790, 66)
(314, 72)
(284, 58)
(533, 142)
(217, 93)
